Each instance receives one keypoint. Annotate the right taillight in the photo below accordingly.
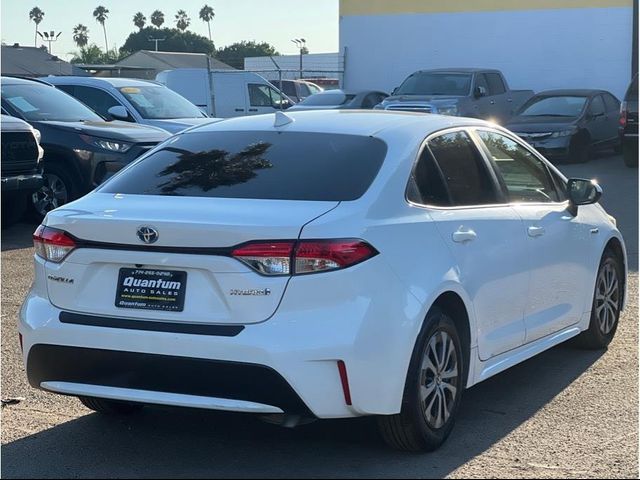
(303, 256)
(52, 244)
(623, 114)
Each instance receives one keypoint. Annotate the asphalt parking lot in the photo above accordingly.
(565, 413)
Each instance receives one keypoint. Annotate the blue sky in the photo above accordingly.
(275, 21)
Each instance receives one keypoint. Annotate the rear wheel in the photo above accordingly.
(433, 389)
(607, 304)
(110, 407)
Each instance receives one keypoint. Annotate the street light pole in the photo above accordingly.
(301, 44)
(151, 39)
(50, 37)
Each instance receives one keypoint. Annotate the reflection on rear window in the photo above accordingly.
(257, 165)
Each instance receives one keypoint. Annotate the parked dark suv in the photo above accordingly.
(81, 149)
(629, 125)
(21, 176)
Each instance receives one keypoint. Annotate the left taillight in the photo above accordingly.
(291, 257)
(52, 244)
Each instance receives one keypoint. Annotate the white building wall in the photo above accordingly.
(535, 49)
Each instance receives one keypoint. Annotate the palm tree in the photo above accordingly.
(81, 35)
(182, 20)
(157, 18)
(139, 20)
(101, 14)
(36, 15)
(206, 15)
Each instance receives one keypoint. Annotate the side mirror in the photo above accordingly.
(583, 192)
(480, 91)
(118, 112)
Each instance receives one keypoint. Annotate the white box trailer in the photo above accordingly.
(225, 94)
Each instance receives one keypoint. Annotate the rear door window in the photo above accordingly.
(597, 106)
(464, 170)
(612, 104)
(257, 165)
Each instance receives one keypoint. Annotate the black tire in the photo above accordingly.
(601, 331)
(411, 430)
(110, 407)
(46, 198)
(13, 209)
(580, 149)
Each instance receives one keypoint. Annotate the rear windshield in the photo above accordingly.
(257, 165)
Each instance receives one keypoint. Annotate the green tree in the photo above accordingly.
(157, 18)
(182, 20)
(101, 14)
(81, 35)
(206, 15)
(36, 15)
(91, 54)
(139, 20)
(175, 41)
(235, 54)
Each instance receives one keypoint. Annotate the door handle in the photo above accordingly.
(239, 109)
(536, 231)
(464, 236)
(253, 109)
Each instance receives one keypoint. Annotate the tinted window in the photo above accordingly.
(496, 85)
(304, 90)
(427, 186)
(464, 170)
(289, 88)
(36, 102)
(264, 96)
(425, 83)
(597, 106)
(260, 165)
(97, 100)
(481, 81)
(563, 106)
(158, 102)
(526, 177)
(611, 103)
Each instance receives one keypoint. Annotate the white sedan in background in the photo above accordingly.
(320, 265)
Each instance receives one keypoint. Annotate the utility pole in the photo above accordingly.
(301, 43)
(151, 39)
(50, 37)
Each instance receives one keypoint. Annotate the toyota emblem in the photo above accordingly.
(148, 235)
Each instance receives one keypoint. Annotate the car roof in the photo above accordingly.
(104, 81)
(571, 92)
(22, 81)
(348, 122)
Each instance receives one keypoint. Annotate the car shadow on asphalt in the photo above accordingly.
(18, 236)
(160, 443)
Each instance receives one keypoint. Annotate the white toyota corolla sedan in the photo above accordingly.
(320, 265)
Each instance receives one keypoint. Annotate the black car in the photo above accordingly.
(629, 125)
(569, 124)
(21, 176)
(81, 149)
(339, 99)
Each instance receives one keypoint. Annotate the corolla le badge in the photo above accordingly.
(148, 235)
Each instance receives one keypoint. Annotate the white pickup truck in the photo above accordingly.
(464, 92)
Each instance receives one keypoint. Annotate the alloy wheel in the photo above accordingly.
(53, 194)
(439, 379)
(607, 298)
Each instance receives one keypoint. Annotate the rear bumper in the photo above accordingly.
(365, 319)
